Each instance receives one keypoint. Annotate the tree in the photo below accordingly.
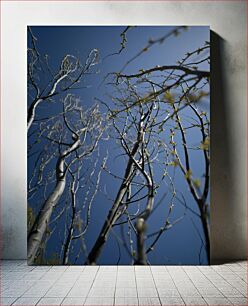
(85, 128)
(44, 83)
(150, 115)
(179, 81)
(75, 221)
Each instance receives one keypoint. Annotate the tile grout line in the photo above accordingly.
(39, 298)
(194, 285)
(116, 283)
(38, 281)
(237, 273)
(72, 285)
(136, 284)
(211, 283)
(175, 285)
(230, 283)
(14, 300)
(155, 284)
(91, 284)
(24, 291)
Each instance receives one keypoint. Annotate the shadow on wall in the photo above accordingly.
(224, 230)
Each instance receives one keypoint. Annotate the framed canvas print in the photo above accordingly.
(118, 145)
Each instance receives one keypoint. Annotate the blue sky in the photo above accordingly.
(182, 243)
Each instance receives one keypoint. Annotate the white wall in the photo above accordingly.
(229, 104)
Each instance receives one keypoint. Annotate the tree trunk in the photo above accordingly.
(141, 253)
(112, 217)
(42, 221)
(141, 226)
(31, 112)
(68, 245)
(113, 213)
(39, 228)
(71, 229)
(206, 231)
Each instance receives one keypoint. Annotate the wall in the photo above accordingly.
(227, 20)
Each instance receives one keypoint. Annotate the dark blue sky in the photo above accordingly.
(181, 244)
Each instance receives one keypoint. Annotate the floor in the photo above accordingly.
(123, 285)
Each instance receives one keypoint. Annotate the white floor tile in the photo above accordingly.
(73, 301)
(239, 301)
(147, 292)
(123, 301)
(164, 292)
(50, 301)
(149, 301)
(194, 301)
(126, 292)
(102, 292)
(26, 301)
(217, 301)
(99, 301)
(79, 291)
(166, 301)
(7, 301)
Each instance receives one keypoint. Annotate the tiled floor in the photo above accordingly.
(130, 285)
